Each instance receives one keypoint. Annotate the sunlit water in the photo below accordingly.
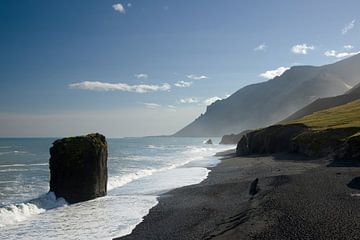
(139, 170)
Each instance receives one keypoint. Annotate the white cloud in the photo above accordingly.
(142, 76)
(102, 86)
(118, 7)
(348, 27)
(274, 73)
(171, 108)
(183, 84)
(333, 53)
(197, 77)
(211, 100)
(151, 105)
(348, 47)
(129, 5)
(261, 47)
(189, 100)
(302, 48)
(227, 95)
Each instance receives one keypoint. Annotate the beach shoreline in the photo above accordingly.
(293, 197)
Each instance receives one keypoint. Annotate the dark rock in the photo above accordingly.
(354, 183)
(269, 140)
(78, 167)
(233, 138)
(342, 144)
(350, 149)
(209, 141)
(253, 187)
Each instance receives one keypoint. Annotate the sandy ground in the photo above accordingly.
(297, 198)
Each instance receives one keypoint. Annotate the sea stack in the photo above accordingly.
(78, 167)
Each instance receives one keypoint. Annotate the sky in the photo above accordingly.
(150, 67)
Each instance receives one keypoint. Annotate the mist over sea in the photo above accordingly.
(140, 169)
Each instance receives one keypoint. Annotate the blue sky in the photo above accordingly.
(141, 67)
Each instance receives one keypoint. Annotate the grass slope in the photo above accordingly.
(343, 116)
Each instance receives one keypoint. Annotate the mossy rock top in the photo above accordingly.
(73, 149)
(96, 139)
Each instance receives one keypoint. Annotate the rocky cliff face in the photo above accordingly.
(233, 138)
(338, 143)
(78, 167)
(269, 140)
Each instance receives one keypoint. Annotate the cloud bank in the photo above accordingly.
(103, 86)
(142, 76)
(189, 100)
(118, 7)
(197, 77)
(211, 100)
(183, 84)
(270, 74)
(261, 47)
(348, 27)
(151, 105)
(302, 49)
(333, 53)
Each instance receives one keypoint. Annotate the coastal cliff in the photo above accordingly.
(78, 167)
(333, 133)
(233, 138)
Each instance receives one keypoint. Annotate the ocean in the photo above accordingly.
(140, 169)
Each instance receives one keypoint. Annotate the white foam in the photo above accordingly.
(119, 181)
(164, 181)
(13, 152)
(190, 154)
(24, 165)
(19, 212)
(102, 218)
(155, 147)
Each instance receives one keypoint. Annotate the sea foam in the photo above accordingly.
(19, 212)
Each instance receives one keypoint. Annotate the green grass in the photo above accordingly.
(344, 116)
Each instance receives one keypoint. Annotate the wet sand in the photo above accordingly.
(297, 198)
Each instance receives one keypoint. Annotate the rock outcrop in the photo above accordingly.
(78, 167)
(254, 187)
(233, 138)
(209, 141)
(337, 143)
(269, 140)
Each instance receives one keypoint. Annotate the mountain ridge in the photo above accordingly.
(262, 104)
(326, 103)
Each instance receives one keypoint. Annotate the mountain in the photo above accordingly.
(325, 103)
(265, 103)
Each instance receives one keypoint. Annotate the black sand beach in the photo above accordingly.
(297, 198)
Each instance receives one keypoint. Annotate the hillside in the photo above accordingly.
(265, 103)
(334, 133)
(325, 103)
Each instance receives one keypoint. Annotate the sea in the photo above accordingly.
(139, 169)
